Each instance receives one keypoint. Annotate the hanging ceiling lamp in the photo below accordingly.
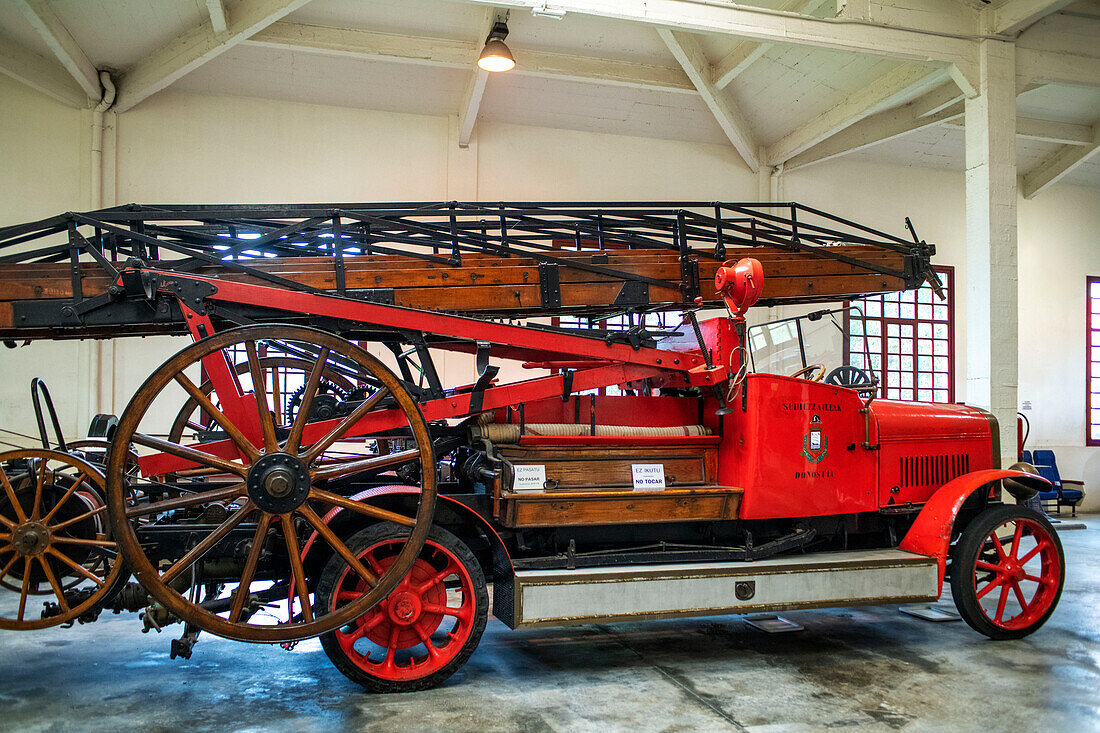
(496, 56)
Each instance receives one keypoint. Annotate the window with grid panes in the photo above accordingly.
(1092, 361)
(909, 338)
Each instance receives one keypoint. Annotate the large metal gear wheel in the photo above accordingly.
(330, 393)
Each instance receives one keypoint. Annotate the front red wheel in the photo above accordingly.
(1007, 571)
(424, 630)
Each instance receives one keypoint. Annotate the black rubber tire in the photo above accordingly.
(964, 555)
(358, 543)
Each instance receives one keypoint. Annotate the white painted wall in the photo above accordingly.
(44, 154)
(187, 148)
(1059, 246)
(192, 148)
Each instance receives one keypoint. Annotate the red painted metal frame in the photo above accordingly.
(539, 345)
(930, 533)
(452, 406)
(615, 440)
(238, 406)
(617, 363)
(1092, 325)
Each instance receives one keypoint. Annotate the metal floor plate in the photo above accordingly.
(938, 614)
(773, 624)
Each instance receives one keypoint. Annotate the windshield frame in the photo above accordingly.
(840, 318)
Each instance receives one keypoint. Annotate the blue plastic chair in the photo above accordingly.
(1063, 495)
(1025, 456)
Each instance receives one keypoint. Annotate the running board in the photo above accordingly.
(638, 593)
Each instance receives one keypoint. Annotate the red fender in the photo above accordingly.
(499, 549)
(930, 534)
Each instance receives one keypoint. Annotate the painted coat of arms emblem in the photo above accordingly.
(815, 444)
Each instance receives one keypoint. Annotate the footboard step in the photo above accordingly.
(556, 597)
(938, 614)
(773, 624)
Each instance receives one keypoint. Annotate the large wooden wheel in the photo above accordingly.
(249, 502)
(55, 544)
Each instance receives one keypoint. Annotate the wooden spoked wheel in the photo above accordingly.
(250, 501)
(1007, 571)
(55, 543)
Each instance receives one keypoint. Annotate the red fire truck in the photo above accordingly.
(277, 479)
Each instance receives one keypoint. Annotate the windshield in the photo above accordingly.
(790, 344)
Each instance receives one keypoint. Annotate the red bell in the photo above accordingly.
(740, 285)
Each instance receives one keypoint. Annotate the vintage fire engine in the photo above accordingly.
(275, 480)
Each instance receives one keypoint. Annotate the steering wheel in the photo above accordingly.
(851, 377)
(808, 370)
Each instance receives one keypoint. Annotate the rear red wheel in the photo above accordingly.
(426, 628)
(1007, 571)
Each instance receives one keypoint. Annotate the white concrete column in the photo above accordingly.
(764, 183)
(992, 349)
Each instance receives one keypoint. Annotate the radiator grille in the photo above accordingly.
(933, 470)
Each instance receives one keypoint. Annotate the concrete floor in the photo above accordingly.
(867, 669)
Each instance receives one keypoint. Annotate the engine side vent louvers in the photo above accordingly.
(932, 470)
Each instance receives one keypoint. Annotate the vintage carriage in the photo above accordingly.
(275, 480)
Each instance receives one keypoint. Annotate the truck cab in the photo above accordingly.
(805, 432)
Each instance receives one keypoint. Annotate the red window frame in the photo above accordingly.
(1092, 360)
(895, 328)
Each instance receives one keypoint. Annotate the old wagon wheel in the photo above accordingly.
(189, 415)
(55, 542)
(263, 489)
(1007, 571)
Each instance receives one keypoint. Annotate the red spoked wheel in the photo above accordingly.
(424, 630)
(1007, 571)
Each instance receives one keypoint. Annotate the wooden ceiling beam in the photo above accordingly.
(218, 17)
(1014, 16)
(1059, 165)
(746, 52)
(685, 47)
(366, 44)
(42, 74)
(883, 93)
(62, 44)
(197, 46)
